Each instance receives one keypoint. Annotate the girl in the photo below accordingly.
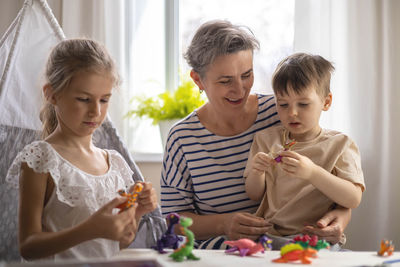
(68, 187)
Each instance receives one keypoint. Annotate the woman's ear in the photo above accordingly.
(48, 93)
(196, 78)
(327, 102)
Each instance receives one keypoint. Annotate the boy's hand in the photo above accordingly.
(297, 165)
(262, 162)
(147, 200)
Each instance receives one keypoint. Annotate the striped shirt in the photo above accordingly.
(203, 172)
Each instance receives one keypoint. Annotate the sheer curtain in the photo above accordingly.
(362, 38)
(104, 21)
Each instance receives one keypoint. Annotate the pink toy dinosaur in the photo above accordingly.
(247, 247)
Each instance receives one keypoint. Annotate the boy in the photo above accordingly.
(317, 168)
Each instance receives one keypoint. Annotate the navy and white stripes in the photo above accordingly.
(203, 172)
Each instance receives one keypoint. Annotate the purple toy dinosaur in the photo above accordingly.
(169, 239)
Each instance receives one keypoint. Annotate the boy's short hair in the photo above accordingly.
(300, 71)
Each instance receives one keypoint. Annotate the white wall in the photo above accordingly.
(152, 173)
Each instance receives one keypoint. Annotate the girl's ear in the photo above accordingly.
(327, 102)
(48, 93)
(196, 78)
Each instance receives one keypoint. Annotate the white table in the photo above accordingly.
(211, 258)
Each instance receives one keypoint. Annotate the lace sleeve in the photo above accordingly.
(120, 165)
(37, 155)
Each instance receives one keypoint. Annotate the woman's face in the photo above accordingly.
(227, 81)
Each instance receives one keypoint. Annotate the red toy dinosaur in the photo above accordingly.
(295, 252)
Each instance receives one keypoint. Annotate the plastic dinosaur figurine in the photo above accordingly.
(247, 247)
(169, 239)
(295, 252)
(286, 147)
(132, 197)
(386, 247)
(310, 242)
(186, 249)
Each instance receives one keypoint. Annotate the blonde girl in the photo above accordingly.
(68, 186)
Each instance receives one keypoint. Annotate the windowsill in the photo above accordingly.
(147, 157)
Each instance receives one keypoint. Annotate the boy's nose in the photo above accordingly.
(292, 111)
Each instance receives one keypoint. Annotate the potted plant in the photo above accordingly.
(168, 107)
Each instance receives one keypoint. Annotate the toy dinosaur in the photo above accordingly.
(169, 239)
(386, 247)
(247, 247)
(286, 147)
(310, 242)
(186, 249)
(132, 197)
(295, 252)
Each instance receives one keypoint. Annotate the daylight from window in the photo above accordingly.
(271, 21)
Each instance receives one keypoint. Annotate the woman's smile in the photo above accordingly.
(234, 101)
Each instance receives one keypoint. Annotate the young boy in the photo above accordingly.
(297, 170)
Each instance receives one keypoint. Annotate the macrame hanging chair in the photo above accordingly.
(23, 52)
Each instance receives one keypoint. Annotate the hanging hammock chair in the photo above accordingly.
(23, 51)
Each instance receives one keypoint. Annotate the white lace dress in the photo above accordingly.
(76, 195)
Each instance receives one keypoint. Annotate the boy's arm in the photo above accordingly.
(341, 191)
(255, 172)
(255, 184)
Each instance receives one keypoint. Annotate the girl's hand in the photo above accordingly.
(130, 231)
(262, 162)
(106, 224)
(297, 165)
(245, 225)
(147, 200)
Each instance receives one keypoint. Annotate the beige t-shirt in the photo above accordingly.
(290, 202)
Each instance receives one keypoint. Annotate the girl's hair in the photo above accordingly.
(215, 38)
(68, 58)
(300, 71)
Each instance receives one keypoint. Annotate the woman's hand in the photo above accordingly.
(331, 226)
(244, 225)
(147, 200)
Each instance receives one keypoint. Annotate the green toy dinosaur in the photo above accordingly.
(186, 249)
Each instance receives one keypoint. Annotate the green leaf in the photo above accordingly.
(168, 105)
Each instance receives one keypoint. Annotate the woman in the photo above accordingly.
(206, 153)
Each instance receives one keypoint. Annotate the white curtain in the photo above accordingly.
(104, 21)
(362, 38)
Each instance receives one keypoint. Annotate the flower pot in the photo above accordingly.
(165, 126)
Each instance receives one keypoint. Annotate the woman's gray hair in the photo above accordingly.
(216, 38)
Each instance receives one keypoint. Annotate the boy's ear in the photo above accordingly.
(49, 93)
(196, 78)
(327, 102)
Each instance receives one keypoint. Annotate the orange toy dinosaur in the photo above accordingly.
(132, 197)
(386, 247)
(295, 252)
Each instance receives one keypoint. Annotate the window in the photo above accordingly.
(153, 70)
